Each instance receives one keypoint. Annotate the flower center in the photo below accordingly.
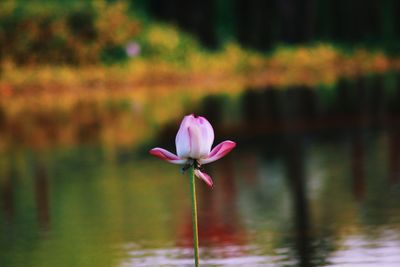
(191, 163)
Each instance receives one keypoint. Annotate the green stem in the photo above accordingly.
(194, 217)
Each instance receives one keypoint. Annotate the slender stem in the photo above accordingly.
(194, 217)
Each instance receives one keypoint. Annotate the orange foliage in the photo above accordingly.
(123, 104)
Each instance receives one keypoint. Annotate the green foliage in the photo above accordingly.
(37, 32)
(166, 42)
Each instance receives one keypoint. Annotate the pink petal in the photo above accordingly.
(207, 135)
(182, 140)
(218, 152)
(194, 138)
(204, 176)
(166, 155)
(195, 142)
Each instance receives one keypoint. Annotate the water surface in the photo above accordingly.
(314, 181)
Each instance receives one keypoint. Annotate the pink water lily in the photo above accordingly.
(193, 146)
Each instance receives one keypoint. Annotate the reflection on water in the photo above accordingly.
(356, 251)
(314, 181)
(224, 256)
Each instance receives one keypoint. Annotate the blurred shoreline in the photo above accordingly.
(287, 66)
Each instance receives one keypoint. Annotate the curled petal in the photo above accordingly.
(218, 152)
(204, 176)
(166, 155)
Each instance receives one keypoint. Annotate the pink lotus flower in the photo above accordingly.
(193, 146)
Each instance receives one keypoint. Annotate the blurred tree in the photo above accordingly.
(196, 16)
(262, 24)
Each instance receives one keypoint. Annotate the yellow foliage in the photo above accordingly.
(163, 37)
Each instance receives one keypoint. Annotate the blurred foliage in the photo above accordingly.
(76, 32)
(40, 32)
(165, 42)
(176, 63)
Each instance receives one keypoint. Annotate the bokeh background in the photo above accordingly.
(309, 90)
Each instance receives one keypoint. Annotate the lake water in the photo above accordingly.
(314, 181)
